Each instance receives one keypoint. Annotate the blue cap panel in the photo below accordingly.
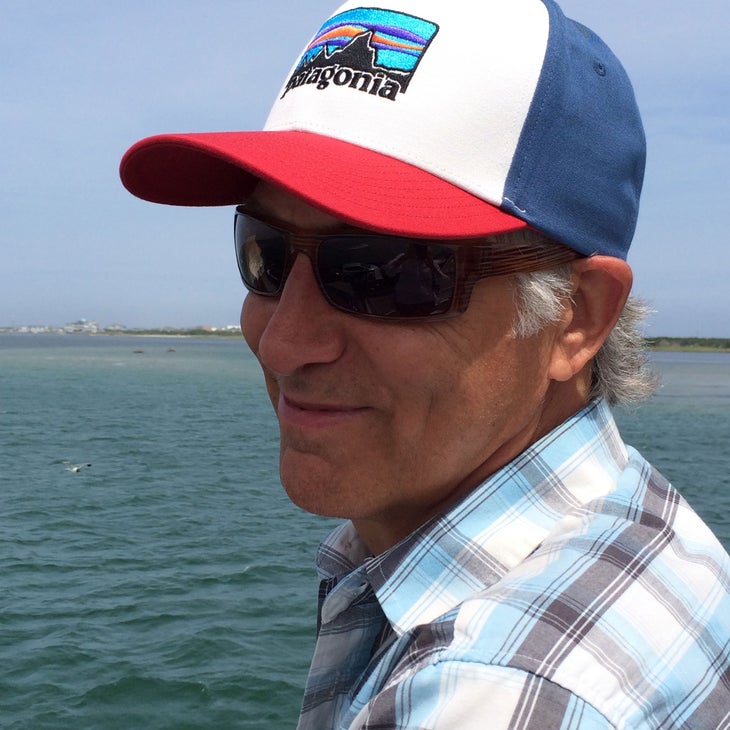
(579, 165)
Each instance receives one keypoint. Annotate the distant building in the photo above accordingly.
(83, 326)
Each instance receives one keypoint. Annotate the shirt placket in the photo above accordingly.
(350, 629)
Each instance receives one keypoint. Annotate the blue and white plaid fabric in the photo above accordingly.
(574, 589)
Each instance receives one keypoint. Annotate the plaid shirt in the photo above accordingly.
(574, 589)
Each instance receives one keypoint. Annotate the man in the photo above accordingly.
(433, 229)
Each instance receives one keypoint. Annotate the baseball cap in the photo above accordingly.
(433, 119)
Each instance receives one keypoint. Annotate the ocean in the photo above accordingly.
(171, 583)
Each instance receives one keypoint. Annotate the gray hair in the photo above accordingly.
(620, 372)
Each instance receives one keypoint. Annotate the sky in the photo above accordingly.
(82, 80)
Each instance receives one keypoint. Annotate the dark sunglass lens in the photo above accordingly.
(387, 276)
(261, 251)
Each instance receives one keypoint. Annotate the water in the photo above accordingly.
(170, 585)
(685, 431)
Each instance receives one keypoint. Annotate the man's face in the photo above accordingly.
(386, 423)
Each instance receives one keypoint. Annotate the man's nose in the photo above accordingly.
(303, 328)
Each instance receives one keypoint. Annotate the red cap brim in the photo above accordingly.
(354, 184)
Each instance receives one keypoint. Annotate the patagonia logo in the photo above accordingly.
(366, 49)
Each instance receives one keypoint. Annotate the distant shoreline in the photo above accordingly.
(688, 344)
(657, 344)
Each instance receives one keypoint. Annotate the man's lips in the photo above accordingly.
(313, 414)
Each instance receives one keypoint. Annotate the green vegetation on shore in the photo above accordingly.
(689, 344)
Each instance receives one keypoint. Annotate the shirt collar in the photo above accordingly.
(489, 531)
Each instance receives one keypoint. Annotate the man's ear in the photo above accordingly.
(601, 285)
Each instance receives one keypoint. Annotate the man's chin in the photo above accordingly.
(312, 483)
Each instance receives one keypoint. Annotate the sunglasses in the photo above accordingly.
(378, 275)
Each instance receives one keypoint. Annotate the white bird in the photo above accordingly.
(75, 468)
